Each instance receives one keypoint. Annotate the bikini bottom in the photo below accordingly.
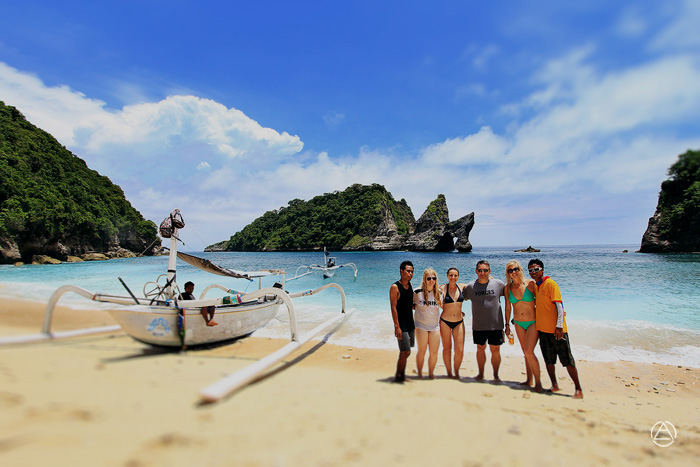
(524, 324)
(452, 324)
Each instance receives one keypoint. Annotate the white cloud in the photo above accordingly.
(481, 148)
(683, 32)
(57, 109)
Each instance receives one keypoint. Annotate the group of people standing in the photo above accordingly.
(432, 314)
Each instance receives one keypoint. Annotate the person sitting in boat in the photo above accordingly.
(331, 262)
(207, 311)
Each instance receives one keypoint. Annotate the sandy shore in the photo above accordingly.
(108, 400)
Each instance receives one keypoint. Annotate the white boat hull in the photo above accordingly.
(158, 325)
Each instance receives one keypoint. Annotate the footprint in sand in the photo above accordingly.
(9, 400)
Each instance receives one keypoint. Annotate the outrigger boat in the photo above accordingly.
(329, 267)
(161, 318)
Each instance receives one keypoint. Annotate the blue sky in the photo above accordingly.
(554, 122)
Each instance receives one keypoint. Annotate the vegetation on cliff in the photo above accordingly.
(48, 196)
(679, 199)
(333, 220)
(675, 225)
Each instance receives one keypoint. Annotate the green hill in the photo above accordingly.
(346, 219)
(675, 226)
(51, 203)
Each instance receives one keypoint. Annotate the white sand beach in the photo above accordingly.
(108, 400)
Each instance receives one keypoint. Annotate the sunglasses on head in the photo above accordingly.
(534, 270)
(510, 271)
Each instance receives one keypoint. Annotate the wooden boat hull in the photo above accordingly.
(158, 325)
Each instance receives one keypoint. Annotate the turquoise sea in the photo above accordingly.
(620, 306)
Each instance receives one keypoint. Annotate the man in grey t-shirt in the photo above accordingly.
(487, 317)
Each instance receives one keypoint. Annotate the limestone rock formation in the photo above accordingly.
(460, 230)
(435, 232)
(387, 236)
(43, 259)
(94, 257)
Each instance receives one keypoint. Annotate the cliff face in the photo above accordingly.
(675, 226)
(52, 204)
(435, 232)
(386, 237)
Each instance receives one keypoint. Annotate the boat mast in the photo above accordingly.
(172, 264)
(168, 229)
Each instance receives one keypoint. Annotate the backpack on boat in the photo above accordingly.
(170, 223)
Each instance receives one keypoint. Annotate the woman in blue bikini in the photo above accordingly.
(523, 318)
(452, 323)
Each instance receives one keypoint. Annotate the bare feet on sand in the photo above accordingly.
(578, 394)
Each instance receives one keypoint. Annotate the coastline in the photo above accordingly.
(110, 400)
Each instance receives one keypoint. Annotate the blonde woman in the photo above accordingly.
(452, 323)
(520, 294)
(427, 303)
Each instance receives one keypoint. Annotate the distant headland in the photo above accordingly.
(362, 217)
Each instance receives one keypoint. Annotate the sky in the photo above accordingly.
(554, 122)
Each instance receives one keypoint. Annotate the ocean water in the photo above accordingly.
(620, 306)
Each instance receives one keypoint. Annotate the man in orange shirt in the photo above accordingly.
(551, 324)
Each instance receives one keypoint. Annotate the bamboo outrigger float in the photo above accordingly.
(162, 318)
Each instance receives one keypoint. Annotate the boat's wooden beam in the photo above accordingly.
(46, 333)
(229, 384)
(30, 338)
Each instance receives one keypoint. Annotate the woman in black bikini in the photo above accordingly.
(452, 323)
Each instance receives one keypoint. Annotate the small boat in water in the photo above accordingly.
(328, 267)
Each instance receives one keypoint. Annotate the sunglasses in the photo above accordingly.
(510, 271)
(431, 278)
(534, 270)
(483, 271)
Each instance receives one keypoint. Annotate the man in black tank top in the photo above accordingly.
(401, 299)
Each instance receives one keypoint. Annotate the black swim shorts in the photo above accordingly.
(494, 337)
(551, 348)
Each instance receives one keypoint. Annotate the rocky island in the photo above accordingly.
(675, 226)
(53, 207)
(362, 217)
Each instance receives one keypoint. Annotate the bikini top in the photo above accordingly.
(448, 299)
(527, 296)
